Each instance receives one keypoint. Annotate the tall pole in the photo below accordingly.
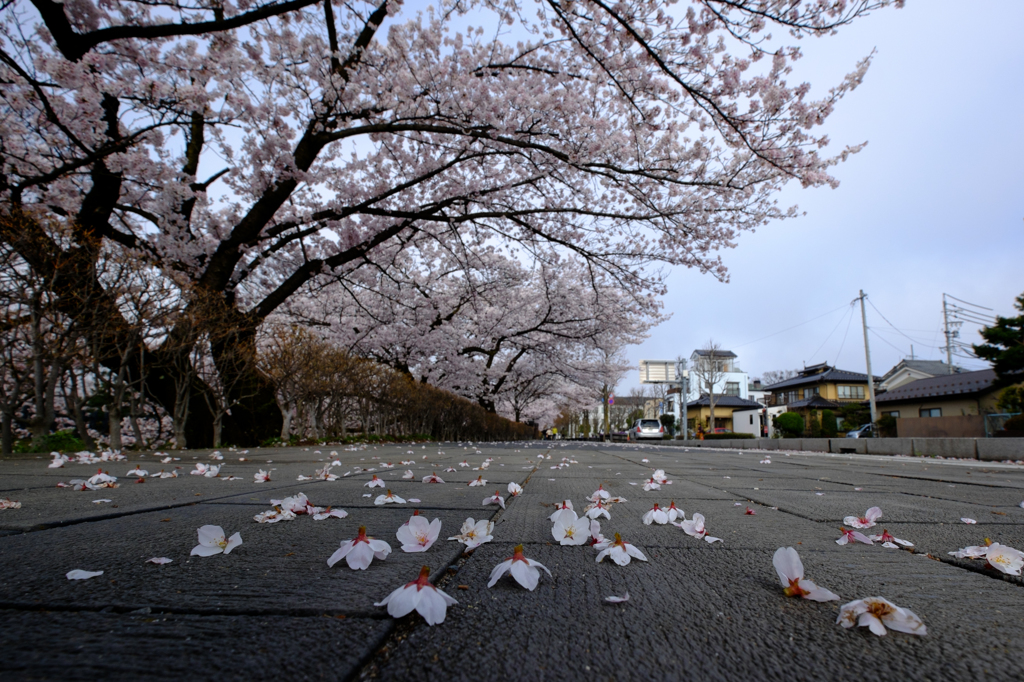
(867, 358)
(949, 336)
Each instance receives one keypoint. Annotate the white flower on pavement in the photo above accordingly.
(877, 613)
(427, 600)
(79, 574)
(417, 534)
(200, 469)
(598, 541)
(695, 528)
(480, 481)
(890, 542)
(522, 569)
(374, 482)
(973, 552)
(560, 507)
(159, 560)
(849, 536)
(617, 600)
(450, 470)
(597, 509)
(329, 513)
(389, 498)
(621, 552)
(409, 475)
(212, 541)
(599, 494)
(165, 474)
(651, 484)
(261, 476)
(514, 489)
(966, 520)
(463, 463)
(655, 515)
(360, 552)
(659, 477)
(138, 471)
(569, 530)
(1004, 559)
(474, 533)
(866, 521)
(59, 460)
(432, 478)
(791, 573)
(496, 498)
(674, 512)
(102, 480)
(7, 503)
(274, 515)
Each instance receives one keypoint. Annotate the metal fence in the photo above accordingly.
(995, 422)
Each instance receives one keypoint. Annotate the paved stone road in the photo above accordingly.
(273, 609)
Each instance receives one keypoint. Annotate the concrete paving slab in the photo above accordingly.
(154, 646)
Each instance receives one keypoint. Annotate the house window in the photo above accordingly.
(895, 414)
(808, 392)
(851, 392)
(732, 388)
(932, 412)
(751, 420)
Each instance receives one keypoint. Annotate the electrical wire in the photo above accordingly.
(891, 324)
(815, 353)
(882, 339)
(847, 333)
(789, 328)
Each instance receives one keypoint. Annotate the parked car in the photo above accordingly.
(865, 431)
(646, 428)
(722, 431)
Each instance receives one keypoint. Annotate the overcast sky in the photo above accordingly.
(933, 204)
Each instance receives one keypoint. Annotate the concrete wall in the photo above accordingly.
(987, 449)
(960, 426)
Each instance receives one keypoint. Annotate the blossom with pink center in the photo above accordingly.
(695, 528)
(674, 512)
(659, 477)
(621, 552)
(598, 541)
(890, 542)
(496, 498)
(374, 483)
(450, 470)
(329, 513)
(749, 512)
(849, 536)
(791, 573)
(463, 463)
(421, 596)
(479, 481)
(866, 521)
(474, 533)
(389, 498)
(360, 552)
(651, 484)
(261, 476)
(569, 530)
(1004, 559)
(432, 478)
(212, 541)
(599, 494)
(560, 507)
(7, 503)
(417, 535)
(525, 571)
(597, 509)
(514, 489)
(655, 515)
(875, 613)
(138, 471)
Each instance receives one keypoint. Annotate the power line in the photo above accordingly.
(968, 303)
(889, 323)
(815, 353)
(882, 339)
(845, 334)
(790, 328)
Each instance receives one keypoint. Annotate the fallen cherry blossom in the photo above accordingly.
(866, 521)
(791, 573)
(849, 536)
(480, 481)
(261, 476)
(569, 530)
(599, 494)
(522, 569)
(389, 498)
(374, 483)
(417, 535)
(749, 512)
(496, 498)
(655, 515)
(620, 552)
(597, 509)
(212, 541)
(427, 600)
(1004, 559)
(7, 503)
(890, 542)
(359, 553)
(617, 600)
(137, 471)
(674, 512)
(432, 478)
(474, 533)
(329, 513)
(514, 489)
(695, 528)
(968, 521)
(875, 613)
(651, 484)
(79, 574)
(159, 560)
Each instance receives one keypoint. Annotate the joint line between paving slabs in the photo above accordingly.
(370, 665)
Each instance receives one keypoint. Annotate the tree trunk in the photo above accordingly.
(76, 402)
(133, 418)
(218, 419)
(7, 431)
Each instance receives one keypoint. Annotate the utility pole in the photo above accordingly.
(867, 358)
(949, 336)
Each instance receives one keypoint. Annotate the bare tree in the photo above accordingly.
(777, 375)
(709, 369)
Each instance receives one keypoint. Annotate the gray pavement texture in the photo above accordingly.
(697, 611)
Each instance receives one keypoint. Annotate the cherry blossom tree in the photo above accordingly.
(246, 151)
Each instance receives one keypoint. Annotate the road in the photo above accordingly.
(697, 611)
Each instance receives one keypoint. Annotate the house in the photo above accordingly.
(911, 370)
(756, 421)
(756, 392)
(699, 411)
(948, 395)
(818, 388)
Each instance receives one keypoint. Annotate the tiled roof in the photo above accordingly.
(815, 402)
(724, 401)
(932, 367)
(965, 383)
(718, 353)
(832, 375)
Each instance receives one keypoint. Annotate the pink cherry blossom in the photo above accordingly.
(791, 573)
(866, 521)
(360, 552)
(524, 570)
(849, 536)
(421, 596)
(875, 613)
(417, 534)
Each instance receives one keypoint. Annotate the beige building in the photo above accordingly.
(951, 395)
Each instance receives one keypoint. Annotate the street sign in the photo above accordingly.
(611, 399)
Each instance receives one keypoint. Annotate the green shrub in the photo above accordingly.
(886, 426)
(828, 424)
(61, 441)
(790, 424)
(814, 429)
(1011, 400)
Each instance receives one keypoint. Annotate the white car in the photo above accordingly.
(646, 428)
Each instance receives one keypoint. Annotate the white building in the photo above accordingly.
(731, 379)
